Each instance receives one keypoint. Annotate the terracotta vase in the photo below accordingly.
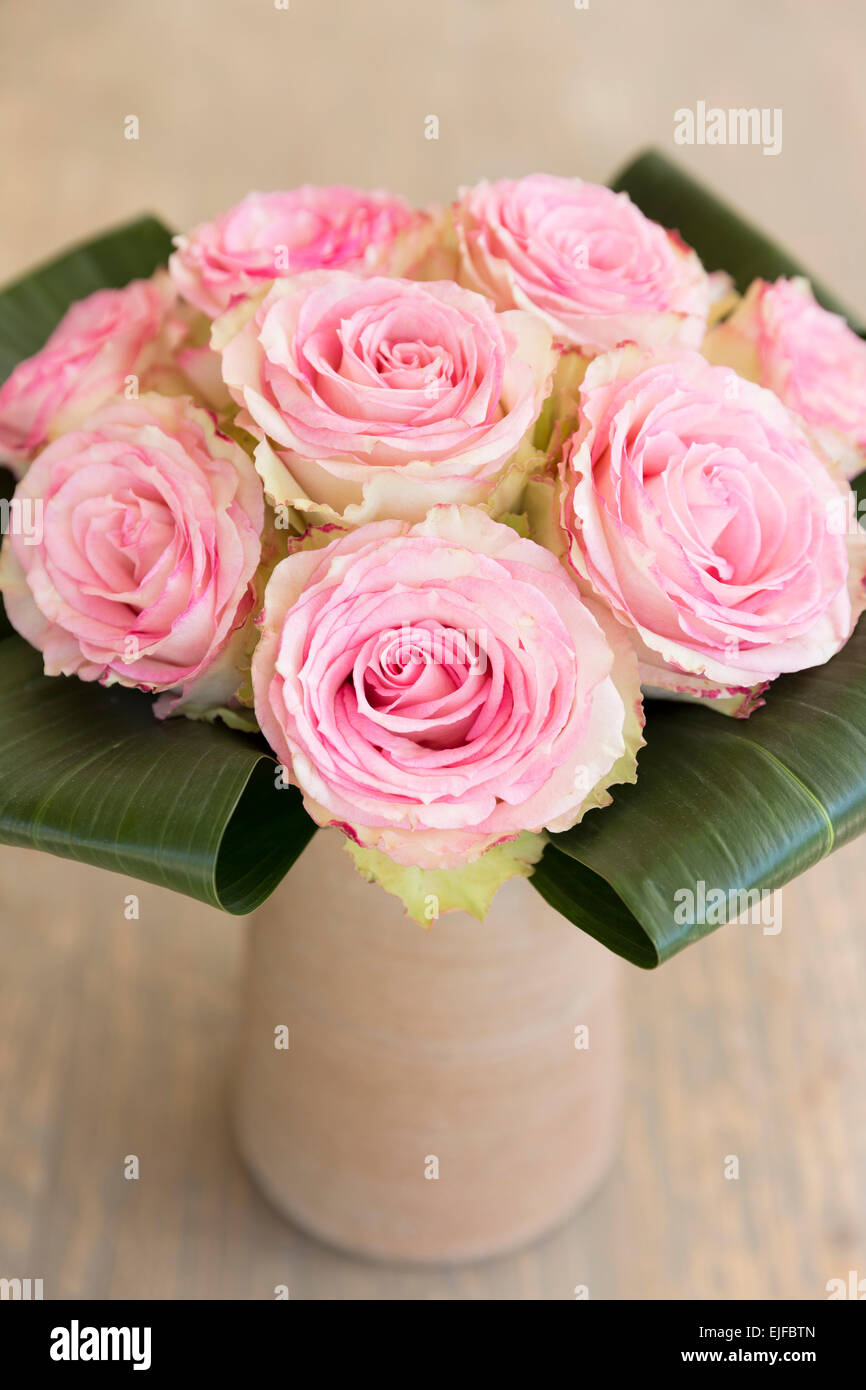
(417, 1094)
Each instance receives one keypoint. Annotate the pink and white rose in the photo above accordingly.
(271, 235)
(150, 542)
(585, 260)
(437, 689)
(377, 397)
(109, 341)
(781, 337)
(698, 510)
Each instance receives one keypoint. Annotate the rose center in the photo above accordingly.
(709, 505)
(426, 682)
(414, 365)
(125, 536)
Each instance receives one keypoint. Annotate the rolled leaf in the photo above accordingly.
(88, 773)
(741, 806)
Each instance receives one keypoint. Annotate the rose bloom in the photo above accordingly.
(779, 336)
(697, 509)
(271, 235)
(379, 397)
(151, 527)
(437, 689)
(584, 259)
(99, 343)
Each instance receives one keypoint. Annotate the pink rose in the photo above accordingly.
(150, 540)
(99, 344)
(779, 336)
(437, 689)
(584, 259)
(380, 397)
(697, 509)
(271, 235)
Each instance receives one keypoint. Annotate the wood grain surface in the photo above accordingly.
(116, 1039)
(116, 1035)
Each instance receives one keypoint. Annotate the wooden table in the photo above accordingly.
(116, 1037)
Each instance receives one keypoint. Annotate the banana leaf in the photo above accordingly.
(88, 773)
(740, 806)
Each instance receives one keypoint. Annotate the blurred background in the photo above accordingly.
(115, 1036)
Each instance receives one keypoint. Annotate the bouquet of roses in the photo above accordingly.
(432, 500)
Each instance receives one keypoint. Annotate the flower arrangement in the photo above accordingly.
(401, 520)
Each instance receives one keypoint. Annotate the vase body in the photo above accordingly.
(435, 1094)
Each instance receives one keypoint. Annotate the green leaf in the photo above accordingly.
(740, 805)
(88, 773)
(32, 308)
(722, 239)
(737, 804)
